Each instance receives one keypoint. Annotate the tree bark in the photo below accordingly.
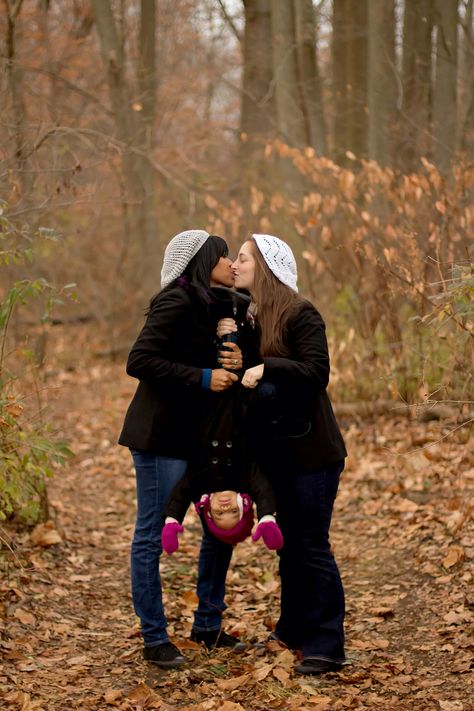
(416, 81)
(350, 60)
(466, 102)
(445, 90)
(258, 112)
(309, 76)
(290, 117)
(382, 85)
(134, 128)
(147, 115)
(14, 78)
(258, 104)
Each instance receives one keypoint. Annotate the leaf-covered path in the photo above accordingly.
(401, 536)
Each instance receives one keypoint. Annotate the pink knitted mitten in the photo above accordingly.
(169, 537)
(271, 534)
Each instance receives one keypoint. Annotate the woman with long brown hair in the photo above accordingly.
(298, 445)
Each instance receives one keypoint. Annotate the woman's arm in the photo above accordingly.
(308, 361)
(148, 359)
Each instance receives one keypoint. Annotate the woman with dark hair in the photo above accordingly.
(172, 358)
(299, 447)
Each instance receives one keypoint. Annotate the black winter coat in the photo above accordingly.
(175, 344)
(304, 434)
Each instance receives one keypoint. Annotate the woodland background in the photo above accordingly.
(347, 128)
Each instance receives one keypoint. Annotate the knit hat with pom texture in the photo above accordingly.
(279, 259)
(179, 252)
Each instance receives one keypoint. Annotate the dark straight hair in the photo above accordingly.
(197, 274)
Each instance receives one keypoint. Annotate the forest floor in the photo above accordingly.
(400, 533)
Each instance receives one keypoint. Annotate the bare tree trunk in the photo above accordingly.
(466, 103)
(416, 81)
(258, 104)
(18, 109)
(147, 94)
(310, 80)
(382, 87)
(340, 53)
(350, 59)
(290, 117)
(357, 75)
(112, 57)
(258, 110)
(444, 97)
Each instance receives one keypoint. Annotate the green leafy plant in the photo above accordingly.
(29, 449)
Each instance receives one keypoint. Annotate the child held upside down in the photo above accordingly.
(223, 484)
(227, 514)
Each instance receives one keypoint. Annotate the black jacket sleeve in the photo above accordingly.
(149, 358)
(261, 492)
(309, 364)
(180, 498)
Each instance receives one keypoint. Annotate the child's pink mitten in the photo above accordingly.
(271, 534)
(169, 537)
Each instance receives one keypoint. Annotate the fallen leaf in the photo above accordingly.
(262, 672)
(143, 694)
(76, 661)
(25, 617)
(45, 535)
(455, 555)
(230, 706)
(112, 695)
(231, 684)
(281, 674)
(451, 705)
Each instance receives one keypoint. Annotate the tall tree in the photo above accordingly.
(290, 117)
(309, 75)
(134, 134)
(382, 85)
(258, 112)
(258, 107)
(466, 121)
(416, 82)
(14, 77)
(445, 87)
(349, 61)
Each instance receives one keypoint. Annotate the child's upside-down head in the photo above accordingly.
(227, 514)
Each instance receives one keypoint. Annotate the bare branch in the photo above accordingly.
(230, 21)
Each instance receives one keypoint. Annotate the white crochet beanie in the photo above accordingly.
(179, 252)
(279, 259)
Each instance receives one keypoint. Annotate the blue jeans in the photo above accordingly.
(312, 596)
(156, 477)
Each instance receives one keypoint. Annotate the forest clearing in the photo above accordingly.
(340, 133)
(401, 537)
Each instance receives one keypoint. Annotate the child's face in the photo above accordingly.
(224, 509)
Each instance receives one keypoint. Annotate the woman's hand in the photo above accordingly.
(221, 380)
(252, 376)
(226, 326)
(231, 359)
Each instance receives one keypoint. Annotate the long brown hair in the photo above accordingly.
(275, 303)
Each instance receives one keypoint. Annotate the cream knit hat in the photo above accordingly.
(279, 259)
(179, 252)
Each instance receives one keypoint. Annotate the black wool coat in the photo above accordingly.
(305, 434)
(175, 344)
(221, 462)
